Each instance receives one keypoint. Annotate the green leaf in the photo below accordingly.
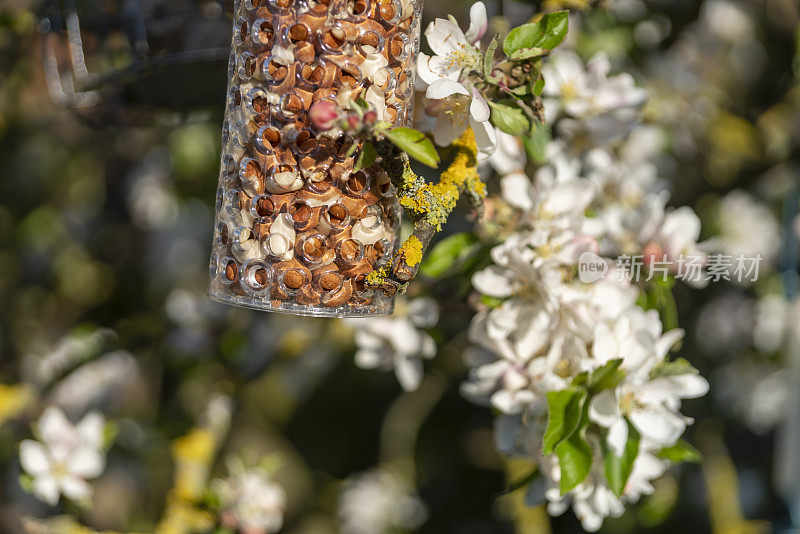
(488, 58)
(682, 451)
(351, 150)
(528, 53)
(581, 379)
(360, 105)
(538, 86)
(491, 302)
(618, 468)
(607, 376)
(446, 253)
(416, 144)
(659, 297)
(676, 367)
(366, 158)
(575, 461)
(522, 90)
(536, 143)
(548, 33)
(509, 119)
(565, 409)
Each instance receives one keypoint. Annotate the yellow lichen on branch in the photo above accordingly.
(430, 204)
(411, 251)
(436, 201)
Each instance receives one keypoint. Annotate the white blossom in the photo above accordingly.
(747, 227)
(452, 99)
(456, 108)
(398, 342)
(650, 405)
(379, 502)
(591, 101)
(453, 49)
(251, 501)
(65, 456)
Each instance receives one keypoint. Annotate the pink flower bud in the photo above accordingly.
(323, 114)
(370, 117)
(353, 123)
(652, 253)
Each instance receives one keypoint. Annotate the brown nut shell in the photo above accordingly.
(308, 295)
(355, 204)
(304, 216)
(318, 193)
(283, 201)
(362, 267)
(261, 227)
(339, 297)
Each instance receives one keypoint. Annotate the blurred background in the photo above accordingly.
(110, 119)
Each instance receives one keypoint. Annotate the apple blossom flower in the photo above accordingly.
(636, 337)
(452, 99)
(65, 456)
(747, 228)
(456, 108)
(593, 103)
(591, 500)
(453, 49)
(251, 501)
(650, 405)
(584, 91)
(398, 341)
(379, 502)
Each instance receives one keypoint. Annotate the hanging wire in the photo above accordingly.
(145, 53)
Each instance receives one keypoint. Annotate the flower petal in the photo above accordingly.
(75, 488)
(90, 429)
(444, 37)
(46, 488)
(485, 136)
(443, 88)
(605, 346)
(33, 457)
(604, 409)
(368, 359)
(478, 22)
(55, 428)
(666, 341)
(493, 281)
(478, 108)
(423, 312)
(518, 190)
(446, 130)
(86, 463)
(432, 68)
(409, 372)
(618, 436)
(658, 424)
(687, 386)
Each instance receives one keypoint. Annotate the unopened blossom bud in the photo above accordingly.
(370, 117)
(353, 123)
(652, 252)
(323, 114)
